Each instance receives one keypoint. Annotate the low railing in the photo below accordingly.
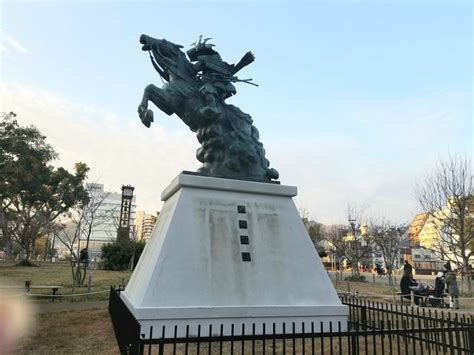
(436, 331)
(375, 328)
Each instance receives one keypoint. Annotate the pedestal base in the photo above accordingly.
(229, 252)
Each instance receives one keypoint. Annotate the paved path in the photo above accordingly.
(430, 279)
(53, 307)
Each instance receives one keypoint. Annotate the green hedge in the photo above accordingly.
(356, 278)
(116, 256)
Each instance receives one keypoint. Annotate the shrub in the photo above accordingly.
(117, 256)
(355, 278)
(26, 263)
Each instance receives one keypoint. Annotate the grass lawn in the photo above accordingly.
(384, 293)
(59, 274)
(84, 332)
(84, 327)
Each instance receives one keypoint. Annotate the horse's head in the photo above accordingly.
(166, 48)
(168, 56)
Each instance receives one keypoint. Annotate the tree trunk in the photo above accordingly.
(468, 275)
(28, 250)
(84, 273)
(72, 269)
(390, 277)
(33, 249)
(355, 267)
(132, 258)
(52, 248)
(46, 248)
(9, 247)
(469, 282)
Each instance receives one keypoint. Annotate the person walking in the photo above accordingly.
(453, 290)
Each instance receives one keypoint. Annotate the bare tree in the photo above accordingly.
(349, 240)
(446, 195)
(358, 246)
(78, 225)
(315, 231)
(388, 238)
(334, 235)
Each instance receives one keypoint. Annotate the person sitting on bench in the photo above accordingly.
(407, 283)
(436, 298)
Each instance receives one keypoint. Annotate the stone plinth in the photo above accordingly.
(230, 252)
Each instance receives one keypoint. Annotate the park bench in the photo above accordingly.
(402, 297)
(424, 300)
(53, 288)
(28, 287)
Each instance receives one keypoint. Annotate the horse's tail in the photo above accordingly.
(272, 174)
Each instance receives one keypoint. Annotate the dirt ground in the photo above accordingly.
(72, 332)
(385, 293)
(83, 326)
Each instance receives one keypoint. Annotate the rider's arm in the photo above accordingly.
(198, 66)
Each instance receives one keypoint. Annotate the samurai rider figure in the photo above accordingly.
(215, 75)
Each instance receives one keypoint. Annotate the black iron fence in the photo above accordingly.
(372, 328)
(126, 327)
(366, 313)
(430, 331)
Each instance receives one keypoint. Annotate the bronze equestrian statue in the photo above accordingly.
(196, 90)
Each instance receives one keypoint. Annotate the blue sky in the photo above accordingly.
(357, 99)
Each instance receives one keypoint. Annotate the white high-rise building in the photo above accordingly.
(144, 224)
(106, 218)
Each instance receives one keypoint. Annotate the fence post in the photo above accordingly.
(363, 317)
(354, 350)
(373, 278)
(412, 298)
(471, 338)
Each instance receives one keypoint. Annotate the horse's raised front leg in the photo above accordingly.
(159, 98)
(146, 115)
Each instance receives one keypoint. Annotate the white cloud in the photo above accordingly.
(3, 49)
(377, 166)
(9, 44)
(118, 150)
(330, 170)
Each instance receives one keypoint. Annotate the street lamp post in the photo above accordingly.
(352, 223)
(355, 268)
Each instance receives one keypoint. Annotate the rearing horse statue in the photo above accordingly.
(195, 92)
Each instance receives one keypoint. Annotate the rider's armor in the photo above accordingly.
(215, 71)
(215, 77)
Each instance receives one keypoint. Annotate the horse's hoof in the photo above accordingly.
(149, 116)
(147, 119)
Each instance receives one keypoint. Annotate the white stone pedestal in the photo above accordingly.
(230, 252)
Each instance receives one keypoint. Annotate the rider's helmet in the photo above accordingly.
(200, 48)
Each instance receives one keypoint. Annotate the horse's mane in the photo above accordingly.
(183, 65)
